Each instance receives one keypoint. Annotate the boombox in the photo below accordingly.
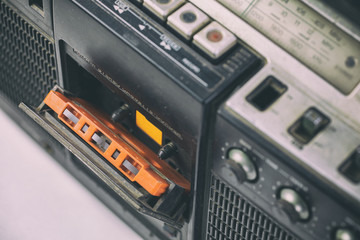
(199, 119)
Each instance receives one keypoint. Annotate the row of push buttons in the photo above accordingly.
(192, 24)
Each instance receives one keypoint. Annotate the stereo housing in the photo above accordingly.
(251, 127)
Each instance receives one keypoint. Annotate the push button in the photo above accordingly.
(309, 125)
(187, 20)
(162, 8)
(214, 40)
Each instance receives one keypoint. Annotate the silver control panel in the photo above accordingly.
(306, 99)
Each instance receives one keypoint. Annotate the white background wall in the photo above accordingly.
(40, 200)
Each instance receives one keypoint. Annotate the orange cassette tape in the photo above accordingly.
(126, 153)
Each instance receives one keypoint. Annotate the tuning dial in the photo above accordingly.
(293, 205)
(344, 234)
(240, 165)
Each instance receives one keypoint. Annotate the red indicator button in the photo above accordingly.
(214, 36)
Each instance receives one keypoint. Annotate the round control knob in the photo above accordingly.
(344, 234)
(293, 205)
(240, 164)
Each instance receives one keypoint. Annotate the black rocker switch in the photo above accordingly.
(351, 167)
(309, 125)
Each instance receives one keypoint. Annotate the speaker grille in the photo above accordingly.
(27, 59)
(232, 217)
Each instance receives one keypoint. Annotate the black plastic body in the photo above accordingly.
(102, 57)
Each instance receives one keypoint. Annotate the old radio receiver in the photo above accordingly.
(200, 119)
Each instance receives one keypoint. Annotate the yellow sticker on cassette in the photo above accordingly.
(149, 128)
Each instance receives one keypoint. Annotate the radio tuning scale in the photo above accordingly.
(321, 45)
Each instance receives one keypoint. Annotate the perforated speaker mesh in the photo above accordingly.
(27, 59)
(232, 217)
